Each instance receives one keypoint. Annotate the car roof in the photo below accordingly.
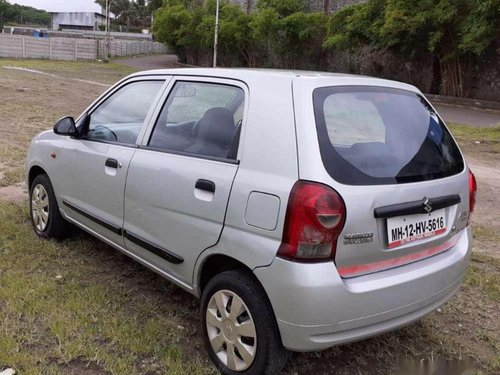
(253, 74)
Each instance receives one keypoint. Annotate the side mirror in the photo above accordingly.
(65, 126)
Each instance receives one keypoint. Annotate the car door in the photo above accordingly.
(180, 178)
(93, 184)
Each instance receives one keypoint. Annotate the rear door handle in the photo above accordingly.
(112, 163)
(205, 185)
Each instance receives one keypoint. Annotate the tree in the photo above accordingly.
(176, 25)
(455, 32)
(128, 12)
(22, 15)
(290, 34)
(154, 5)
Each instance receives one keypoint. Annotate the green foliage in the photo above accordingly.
(282, 7)
(234, 33)
(453, 32)
(177, 26)
(280, 33)
(480, 27)
(446, 28)
(354, 26)
(300, 36)
(135, 14)
(22, 15)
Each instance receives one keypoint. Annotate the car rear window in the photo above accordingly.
(374, 135)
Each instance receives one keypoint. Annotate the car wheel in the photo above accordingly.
(45, 216)
(239, 327)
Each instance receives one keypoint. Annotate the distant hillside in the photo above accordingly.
(14, 14)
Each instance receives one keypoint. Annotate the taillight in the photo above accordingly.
(472, 191)
(314, 219)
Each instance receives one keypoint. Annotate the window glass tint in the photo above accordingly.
(371, 135)
(120, 117)
(192, 100)
(350, 120)
(200, 118)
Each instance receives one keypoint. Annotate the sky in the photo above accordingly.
(61, 5)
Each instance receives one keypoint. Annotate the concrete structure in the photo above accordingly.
(77, 20)
(83, 34)
(20, 46)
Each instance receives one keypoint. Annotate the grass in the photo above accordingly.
(484, 273)
(475, 138)
(78, 303)
(80, 307)
(467, 132)
(14, 143)
(56, 310)
(88, 70)
(35, 101)
(483, 233)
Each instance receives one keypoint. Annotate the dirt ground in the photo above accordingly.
(466, 328)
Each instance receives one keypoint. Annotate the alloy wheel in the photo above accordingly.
(231, 330)
(40, 207)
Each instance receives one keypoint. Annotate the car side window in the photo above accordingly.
(120, 117)
(200, 118)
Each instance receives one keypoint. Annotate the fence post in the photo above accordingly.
(24, 48)
(76, 49)
(50, 48)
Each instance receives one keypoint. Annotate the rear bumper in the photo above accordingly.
(316, 308)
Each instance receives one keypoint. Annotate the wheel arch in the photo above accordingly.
(217, 263)
(214, 264)
(35, 170)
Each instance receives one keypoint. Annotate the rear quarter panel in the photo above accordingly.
(268, 164)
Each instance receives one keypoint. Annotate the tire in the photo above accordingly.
(43, 205)
(264, 353)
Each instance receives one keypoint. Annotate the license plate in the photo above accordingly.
(405, 229)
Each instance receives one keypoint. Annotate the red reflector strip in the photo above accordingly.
(394, 244)
(395, 262)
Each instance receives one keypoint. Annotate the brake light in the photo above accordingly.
(314, 219)
(472, 191)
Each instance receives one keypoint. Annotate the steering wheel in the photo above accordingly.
(196, 127)
(104, 130)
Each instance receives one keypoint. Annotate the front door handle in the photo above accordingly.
(205, 185)
(112, 163)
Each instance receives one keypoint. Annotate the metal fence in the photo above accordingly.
(19, 46)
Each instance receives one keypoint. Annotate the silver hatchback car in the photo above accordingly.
(305, 209)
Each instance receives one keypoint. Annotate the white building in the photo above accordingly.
(77, 20)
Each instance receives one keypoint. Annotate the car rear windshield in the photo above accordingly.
(374, 135)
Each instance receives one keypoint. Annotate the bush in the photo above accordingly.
(454, 33)
(279, 34)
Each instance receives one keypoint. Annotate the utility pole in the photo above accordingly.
(216, 33)
(106, 28)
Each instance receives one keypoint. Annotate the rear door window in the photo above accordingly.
(200, 118)
(373, 135)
